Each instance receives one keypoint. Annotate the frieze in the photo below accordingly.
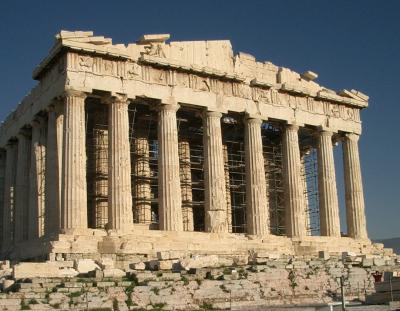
(260, 93)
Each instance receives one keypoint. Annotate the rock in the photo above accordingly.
(7, 284)
(379, 262)
(197, 262)
(5, 265)
(367, 262)
(114, 273)
(84, 266)
(26, 270)
(323, 255)
(68, 272)
(139, 266)
(106, 263)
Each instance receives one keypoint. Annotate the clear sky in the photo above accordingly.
(350, 44)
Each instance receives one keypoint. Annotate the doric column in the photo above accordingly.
(214, 174)
(356, 222)
(307, 211)
(74, 189)
(2, 189)
(294, 195)
(142, 189)
(59, 108)
(22, 186)
(52, 206)
(257, 213)
(37, 195)
(186, 185)
(100, 182)
(9, 194)
(228, 188)
(328, 199)
(169, 189)
(120, 216)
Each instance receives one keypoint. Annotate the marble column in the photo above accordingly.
(169, 189)
(3, 154)
(100, 182)
(120, 216)
(186, 185)
(22, 186)
(59, 108)
(328, 198)
(74, 188)
(257, 211)
(228, 188)
(294, 192)
(355, 210)
(307, 210)
(214, 174)
(9, 195)
(37, 194)
(142, 188)
(52, 207)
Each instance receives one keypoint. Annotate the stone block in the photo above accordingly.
(367, 262)
(105, 263)
(84, 266)
(378, 261)
(114, 273)
(31, 270)
(138, 266)
(323, 255)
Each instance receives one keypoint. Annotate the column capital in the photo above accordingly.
(168, 106)
(252, 119)
(213, 114)
(115, 98)
(352, 136)
(10, 143)
(38, 121)
(324, 132)
(74, 93)
(23, 133)
(292, 127)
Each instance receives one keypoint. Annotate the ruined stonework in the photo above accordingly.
(131, 150)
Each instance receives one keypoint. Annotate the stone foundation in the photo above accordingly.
(88, 243)
(172, 282)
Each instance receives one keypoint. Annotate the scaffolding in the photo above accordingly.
(144, 168)
(191, 163)
(309, 175)
(233, 140)
(97, 164)
(273, 161)
(144, 158)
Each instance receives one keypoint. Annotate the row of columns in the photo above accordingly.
(66, 150)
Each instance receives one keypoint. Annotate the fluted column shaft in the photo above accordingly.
(142, 183)
(3, 155)
(52, 206)
(294, 196)
(120, 216)
(328, 199)
(186, 185)
(74, 188)
(355, 210)
(37, 176)
(214, 174)
(228, 188)
(22, 187)
(59, 135)
(9, 194)
(169, 189)
(257, 217)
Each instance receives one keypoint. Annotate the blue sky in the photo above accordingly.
(350, 44)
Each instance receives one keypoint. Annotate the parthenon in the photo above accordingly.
(176, 145)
